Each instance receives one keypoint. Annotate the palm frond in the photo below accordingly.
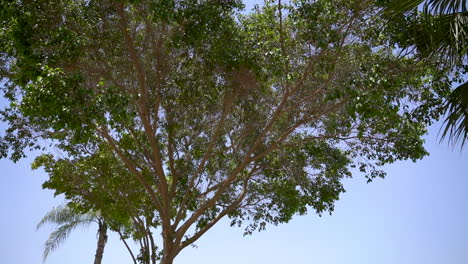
(57, 237)
(446, 6)
(440, 27)
(459, 31)
(434, 7)
(396, 7)
(63, 214)
(67, 219)
(443, 34)
(456, 123)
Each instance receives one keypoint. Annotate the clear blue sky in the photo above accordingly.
(418, 214)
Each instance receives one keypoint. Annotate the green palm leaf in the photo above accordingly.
(59, 236)
(67, 220)
(442, 27)
(446, 6)
(63, 214)
(438, 7)
(456, 123)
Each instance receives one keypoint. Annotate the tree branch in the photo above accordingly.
(226, 211)
(126, 246)
(228, 100)
(132, 167)
(151, 135)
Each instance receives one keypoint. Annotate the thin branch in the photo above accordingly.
(151, 135)
(283, 50)
(142, 103)
(292, 128)
(226, 211)
(132, 167)
(228, 100)
(126, 245)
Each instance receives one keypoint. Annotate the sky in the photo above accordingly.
(417, 214)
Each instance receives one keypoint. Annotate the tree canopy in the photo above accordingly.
(166, 116)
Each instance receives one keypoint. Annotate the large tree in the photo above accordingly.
(175, 114)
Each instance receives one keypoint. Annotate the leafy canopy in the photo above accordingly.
(166, 116)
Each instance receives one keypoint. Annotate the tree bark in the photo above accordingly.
(168, 256)
(167, 260)
(102, 239)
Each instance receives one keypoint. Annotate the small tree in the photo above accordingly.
(175, 114)
(67, 220)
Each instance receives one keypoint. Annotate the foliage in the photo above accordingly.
(168, 116)
(67, 217)
(440, 29)
(67, 220)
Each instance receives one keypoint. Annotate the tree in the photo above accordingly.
(442, 28)
(102, 182)
(175, 114)
(67, 220)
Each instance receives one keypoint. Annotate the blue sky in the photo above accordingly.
(418, 214)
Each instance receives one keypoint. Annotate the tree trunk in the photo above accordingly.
(168, 257)
(102, 239)
(168, 260)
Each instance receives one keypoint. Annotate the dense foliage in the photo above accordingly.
(166, 116)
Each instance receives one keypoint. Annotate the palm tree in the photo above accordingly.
(446, 32)
(67, 219)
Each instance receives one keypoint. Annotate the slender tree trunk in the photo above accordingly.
(102, 239)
